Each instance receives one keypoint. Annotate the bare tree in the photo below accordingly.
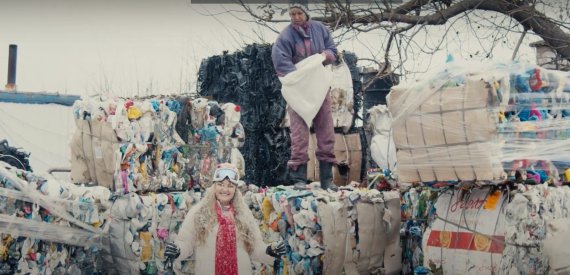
(408, 26)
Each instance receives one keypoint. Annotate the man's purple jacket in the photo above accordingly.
(296, 43)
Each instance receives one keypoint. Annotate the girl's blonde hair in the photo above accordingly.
(205, 219)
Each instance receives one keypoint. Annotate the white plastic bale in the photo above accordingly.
(109, 144)
(434, 132)
(536, 231)
(538, 129)
(39, 235)
(80, 171)
(119, 251)
(129, 213)
(332, 217)
(97, 142)
(458, 250)
(555, 246)
(372, 242)
(393, 252)
(97, 149)
(380, 239)
(87, 143)
(350, 256)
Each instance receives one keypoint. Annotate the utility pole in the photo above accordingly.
(13, 56)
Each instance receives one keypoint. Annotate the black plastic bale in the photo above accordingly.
(378, 90)
(351, 59)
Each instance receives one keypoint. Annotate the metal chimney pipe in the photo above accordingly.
(12, 59)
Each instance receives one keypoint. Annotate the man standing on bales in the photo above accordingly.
(299, 40)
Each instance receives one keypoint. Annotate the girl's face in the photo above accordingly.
(225, 191)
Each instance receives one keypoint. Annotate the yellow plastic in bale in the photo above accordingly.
(134, 113)
(176, 168)
(146, 250)
(142, 171)
(266, 209)
(3, 253)
(160, 252)
(97, 224)
(492, 200)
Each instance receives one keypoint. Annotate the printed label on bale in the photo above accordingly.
(469, 236)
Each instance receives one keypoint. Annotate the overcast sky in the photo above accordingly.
(125, 46)
(78, 46)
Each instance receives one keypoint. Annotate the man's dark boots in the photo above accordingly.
(325, 174)
(299, 177)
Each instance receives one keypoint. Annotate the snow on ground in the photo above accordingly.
(44, 130)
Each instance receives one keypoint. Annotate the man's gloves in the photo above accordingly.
(276, 249)
(171, 251)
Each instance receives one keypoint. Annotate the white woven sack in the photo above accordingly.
(382, 147)
(342, 95)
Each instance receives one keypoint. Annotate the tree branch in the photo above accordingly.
(339, 14)
(518, 45)
(521, 11)
(411, 6)
(438, 18)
